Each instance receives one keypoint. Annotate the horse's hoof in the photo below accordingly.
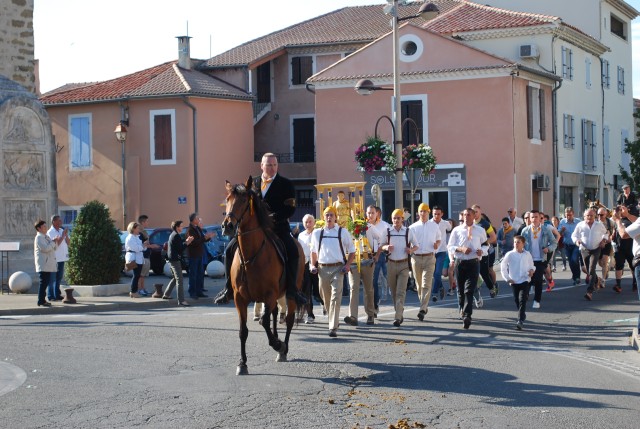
(282, 357)
(242, 370)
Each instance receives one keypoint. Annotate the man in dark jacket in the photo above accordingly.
(279, 194)
(196, 252)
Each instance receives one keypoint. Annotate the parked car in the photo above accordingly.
(158, 236)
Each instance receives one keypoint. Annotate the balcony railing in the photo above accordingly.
(289, 158)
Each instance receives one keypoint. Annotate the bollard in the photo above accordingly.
(69, 299)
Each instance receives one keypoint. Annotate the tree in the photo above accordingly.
(632, 177)
(95, 251)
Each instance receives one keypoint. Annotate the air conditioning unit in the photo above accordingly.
(542, 183)
(529, 51)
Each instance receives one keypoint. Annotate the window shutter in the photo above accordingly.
(564, 62)
(585, 147)
(570, 64)
(162, 137)
(594, 144)
(565, 129)
(529, 112)
(543, 124)
(80, 142)
(573, 132)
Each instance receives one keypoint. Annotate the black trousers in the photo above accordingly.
(537, 278)
(484, 270)
(467, 272)
(521, 296)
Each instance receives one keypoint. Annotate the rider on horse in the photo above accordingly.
(279, 194)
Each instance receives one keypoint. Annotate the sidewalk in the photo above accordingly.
(27, 304)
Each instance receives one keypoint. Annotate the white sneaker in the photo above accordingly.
(478, 301)
(536, 304)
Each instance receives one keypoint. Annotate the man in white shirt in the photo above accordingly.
(441, 252)
(310, 282)
(423, 261)
(517, 268)
(515, 221)
(328, 248)
(590, 236)
(374, 218)
(61, 237)
(465, 245)
(399, 242)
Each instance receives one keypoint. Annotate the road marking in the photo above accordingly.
(15, 317)
(11, 377)
(633, 319)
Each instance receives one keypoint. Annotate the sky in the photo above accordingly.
(89, 40)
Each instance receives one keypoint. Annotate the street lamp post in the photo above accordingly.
(121, 136)
(366, 87)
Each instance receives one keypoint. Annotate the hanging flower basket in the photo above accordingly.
(375, 155)
(418, 156)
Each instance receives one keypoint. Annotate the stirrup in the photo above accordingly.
(223, 297)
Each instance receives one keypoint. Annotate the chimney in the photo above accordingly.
(184, 54)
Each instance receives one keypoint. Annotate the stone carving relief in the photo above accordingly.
(24, 171)
(24, 126)
(20, 216)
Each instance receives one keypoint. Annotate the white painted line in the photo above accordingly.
(15, 317)
(11, 377)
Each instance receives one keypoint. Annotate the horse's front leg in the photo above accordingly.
(274, 342)
(243, 334)
(291, 316)
(274, 314)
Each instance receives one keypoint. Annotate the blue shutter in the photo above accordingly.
(80, 142)
(605, 143)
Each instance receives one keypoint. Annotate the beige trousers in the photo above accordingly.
(331, 292)
(397, 277)
(423, 268)
(282, 307)
(366, 274)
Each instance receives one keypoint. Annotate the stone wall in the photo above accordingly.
(16, 42)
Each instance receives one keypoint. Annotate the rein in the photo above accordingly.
(244, 262)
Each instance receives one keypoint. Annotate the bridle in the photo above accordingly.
(237, 233)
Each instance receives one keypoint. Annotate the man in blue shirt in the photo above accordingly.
(566, 228)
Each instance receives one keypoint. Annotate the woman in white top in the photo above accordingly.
(45, 258)
(134, 248)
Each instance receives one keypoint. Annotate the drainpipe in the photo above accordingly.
(554, 129)
(195, 151)
(604, 171)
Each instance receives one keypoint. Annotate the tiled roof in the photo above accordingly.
(166, 79)
(350, 24)
(469, 16)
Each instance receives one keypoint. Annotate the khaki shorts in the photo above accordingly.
(145, 267)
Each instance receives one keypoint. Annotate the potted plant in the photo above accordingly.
(418, 156)
(375, 155)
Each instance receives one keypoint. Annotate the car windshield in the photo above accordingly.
(160, 236)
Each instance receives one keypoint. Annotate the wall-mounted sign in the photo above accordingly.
(182, 200)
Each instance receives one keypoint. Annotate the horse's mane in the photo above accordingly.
(262, 213)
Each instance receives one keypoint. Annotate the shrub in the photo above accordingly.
(95, 252)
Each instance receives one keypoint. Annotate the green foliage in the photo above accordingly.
(632, 177)
(95, 252)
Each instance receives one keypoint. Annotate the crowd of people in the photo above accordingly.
(527, 248)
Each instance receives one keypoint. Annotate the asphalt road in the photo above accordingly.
(571, 367)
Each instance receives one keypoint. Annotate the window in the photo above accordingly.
(80, 141)
(589, 144)
(606, 78)
(301, 69)
(618, 27)
(587, 69)
(569, 131)
(305, 198)
(412, 109)
(68, 214)
(536, 126)
(567, 63)
(605, 143)
(565, 198)
(303, 130)
(162, 132)
(620, 80)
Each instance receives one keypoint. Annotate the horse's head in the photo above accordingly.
(240, 206)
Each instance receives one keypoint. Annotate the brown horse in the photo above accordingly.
(257, 270)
